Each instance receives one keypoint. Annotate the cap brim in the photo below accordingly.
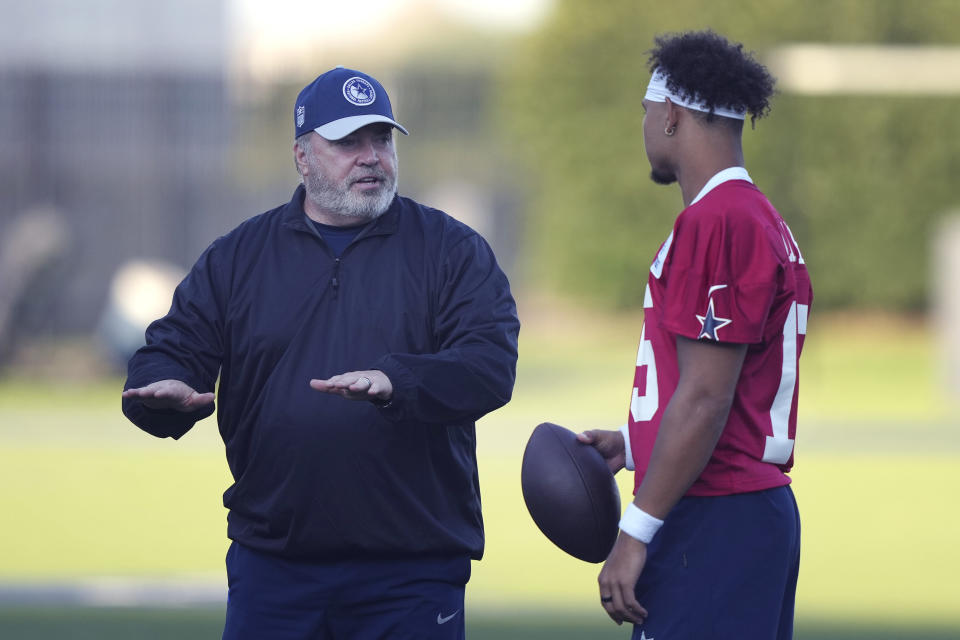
(345, 126)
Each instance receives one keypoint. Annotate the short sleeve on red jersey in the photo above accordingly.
(722, 272)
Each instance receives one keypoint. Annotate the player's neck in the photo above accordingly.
(703, 166)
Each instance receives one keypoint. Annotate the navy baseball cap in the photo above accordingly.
(341, 101)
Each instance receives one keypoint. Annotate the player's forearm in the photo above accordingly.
(692, 424)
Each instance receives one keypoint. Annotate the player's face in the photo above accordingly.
(655, 141)
(355, 176)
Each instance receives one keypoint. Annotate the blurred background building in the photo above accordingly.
(115, 122)
(134, 130)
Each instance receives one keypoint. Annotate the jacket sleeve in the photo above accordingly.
(185, 345)
(476, 323)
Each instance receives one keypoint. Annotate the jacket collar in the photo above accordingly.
(293, 216)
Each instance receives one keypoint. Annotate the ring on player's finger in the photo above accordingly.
(369, 384)
(606, 598)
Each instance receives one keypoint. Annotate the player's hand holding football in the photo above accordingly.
(619, 576)
(609, 444)
(357, 385)
(170, 394)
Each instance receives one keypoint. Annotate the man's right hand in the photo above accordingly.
(610, 445)
(170, 394)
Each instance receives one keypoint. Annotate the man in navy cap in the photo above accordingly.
(357, 336)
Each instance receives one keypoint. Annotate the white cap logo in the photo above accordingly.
(359, 92)
(301, 114)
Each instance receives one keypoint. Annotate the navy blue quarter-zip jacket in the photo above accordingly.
(417, 295)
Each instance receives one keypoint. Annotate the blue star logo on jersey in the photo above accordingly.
(710, 323)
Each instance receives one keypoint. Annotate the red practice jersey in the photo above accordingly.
(730, 271)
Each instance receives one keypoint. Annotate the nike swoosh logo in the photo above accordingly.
(442, 620)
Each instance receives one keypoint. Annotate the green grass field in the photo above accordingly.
(205, 624)
(87, 497)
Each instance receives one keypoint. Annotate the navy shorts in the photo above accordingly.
(271, 597)
(723, 567)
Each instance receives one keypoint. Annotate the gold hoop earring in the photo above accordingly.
(670, 130)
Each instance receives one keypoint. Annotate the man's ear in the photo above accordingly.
(299, 157)
(672, 115)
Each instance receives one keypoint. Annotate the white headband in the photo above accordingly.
(657, 91)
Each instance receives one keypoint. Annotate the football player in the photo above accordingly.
(710, 545)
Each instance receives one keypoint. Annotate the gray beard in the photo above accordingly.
(338, 199)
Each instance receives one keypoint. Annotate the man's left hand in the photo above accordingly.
(619, 578)
(357, 385)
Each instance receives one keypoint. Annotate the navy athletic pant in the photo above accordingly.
(723, 568)
(279, 599)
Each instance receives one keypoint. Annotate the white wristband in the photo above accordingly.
(628, 460)
(639, 524)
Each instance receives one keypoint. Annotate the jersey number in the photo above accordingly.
(778, 447)
(644, 407)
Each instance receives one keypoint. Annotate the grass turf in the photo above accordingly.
(203, 624)
(87, 495)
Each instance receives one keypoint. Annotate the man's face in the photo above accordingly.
(355, 176)
(655, 140)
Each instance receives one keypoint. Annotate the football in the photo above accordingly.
(570, 493)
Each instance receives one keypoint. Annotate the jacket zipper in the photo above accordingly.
(335, 281)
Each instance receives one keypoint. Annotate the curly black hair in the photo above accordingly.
(704, 67)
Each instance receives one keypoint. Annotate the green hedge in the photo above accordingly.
(861, 180)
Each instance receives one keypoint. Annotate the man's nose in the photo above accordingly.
(368, 154)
